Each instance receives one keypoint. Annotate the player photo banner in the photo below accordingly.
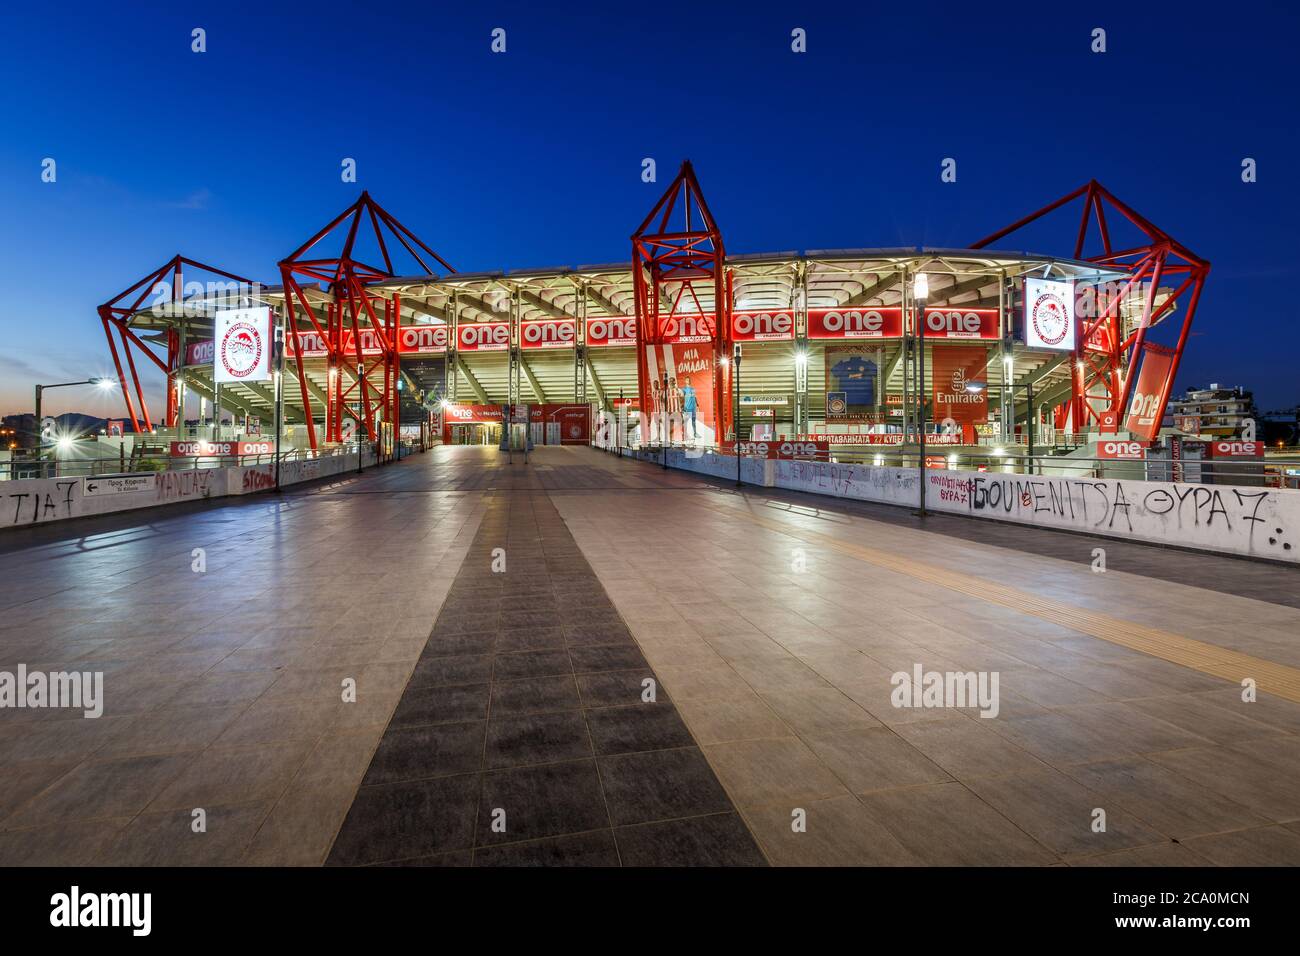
(852, 378)
(243, 346)
(954, 370)
(687, 403)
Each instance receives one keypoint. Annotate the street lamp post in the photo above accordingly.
(920, 293)
(361, 388)
(278, 356)
(735, 427)
(104, 384)
(664, 421)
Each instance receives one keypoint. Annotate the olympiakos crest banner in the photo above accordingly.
(954, 368)
(1143, 412)
(689, 399)
(243, 346)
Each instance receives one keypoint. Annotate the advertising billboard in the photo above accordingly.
(547, 334)
(852, 383)
(762, 326)
(483, 337)
(689, 401)
(956, 322)
(955, 367)
(243, 345)
(611, 331)
(881, 323)
(1143, 411)
(1049, 314)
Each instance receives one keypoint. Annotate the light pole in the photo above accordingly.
(663, 418)
(361, 388)
(104, 384)
(735, 427)
(921, 292)
(278, 356)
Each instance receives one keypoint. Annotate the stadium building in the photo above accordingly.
(856, 351)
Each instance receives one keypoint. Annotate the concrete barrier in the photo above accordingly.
(1252, 521)
(40, 500)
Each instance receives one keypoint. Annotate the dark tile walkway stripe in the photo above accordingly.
(522, 738)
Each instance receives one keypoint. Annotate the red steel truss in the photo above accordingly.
(1100, 374)
(679, 255)
(346, 278)
(116, 314)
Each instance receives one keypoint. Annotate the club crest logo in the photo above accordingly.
(1050, 318)
(241, 350)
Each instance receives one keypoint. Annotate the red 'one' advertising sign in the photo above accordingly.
(1236, 449)
(203, 449)
(1121, 450)
(483, 337)
(547, 334)
(468, 414)
(615, 330)
(757, 326)
(200, 353)
(787, 449)
(686, 329)
(955, 322)
(1143, 412)
(882, 323)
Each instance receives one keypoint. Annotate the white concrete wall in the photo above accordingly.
(41, 500)
(1258, 522)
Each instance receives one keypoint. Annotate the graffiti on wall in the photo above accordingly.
(1244, 519)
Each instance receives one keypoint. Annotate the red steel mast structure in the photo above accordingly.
(1100, 373)
(167, 284)
(339, 323)
(680, 255)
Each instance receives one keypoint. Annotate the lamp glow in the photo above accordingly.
(921, 287)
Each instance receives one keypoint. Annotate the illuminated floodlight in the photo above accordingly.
(801, 357)
(952, 461)
(106, 384)
(65, 443)
(921, 287)
(1000, 452)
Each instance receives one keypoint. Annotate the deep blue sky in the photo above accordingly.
(533, 157)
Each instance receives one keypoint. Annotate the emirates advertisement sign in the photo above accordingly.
(955, 367)
(243, 345)
(1143, 411)
(882, 323)
(756, 326)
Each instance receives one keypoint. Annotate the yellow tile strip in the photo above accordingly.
(1211, 659)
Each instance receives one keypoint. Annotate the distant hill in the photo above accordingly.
(74, 423)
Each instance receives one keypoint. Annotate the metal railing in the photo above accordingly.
(151, 462)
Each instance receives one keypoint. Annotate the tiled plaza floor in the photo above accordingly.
(769, 628)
